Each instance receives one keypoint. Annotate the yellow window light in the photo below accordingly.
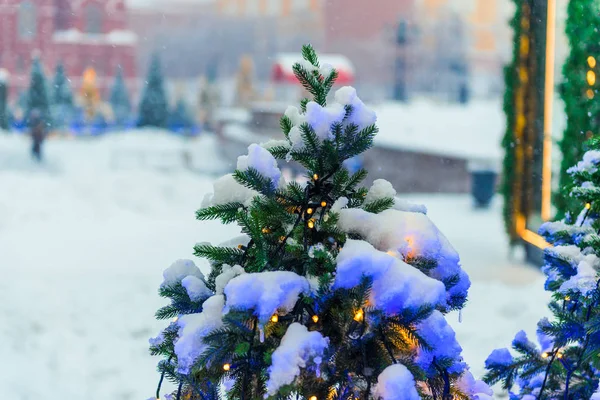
(591, 61)
(591, 78)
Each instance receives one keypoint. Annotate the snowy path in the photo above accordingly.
(82, 249)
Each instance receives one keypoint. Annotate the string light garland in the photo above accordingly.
(226, 367)
(309, 211)
(323, 203)
(359, 316)
(311, 223)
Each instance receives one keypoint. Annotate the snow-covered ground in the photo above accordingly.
(84, 241)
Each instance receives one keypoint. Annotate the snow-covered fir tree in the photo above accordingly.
(37, 94)
(154, 108)
(181, 118)
(4, 113)
(565, 362)
(332, 291)
(62, 99)
(119, 100)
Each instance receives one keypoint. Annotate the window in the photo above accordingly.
(27, 20)
(274, 8)
(93, 19)
(300, 5)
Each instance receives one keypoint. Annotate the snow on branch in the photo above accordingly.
(265, 292)
(396, 285)
(298, 347)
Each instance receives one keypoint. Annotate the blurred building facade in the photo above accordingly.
(79, 33)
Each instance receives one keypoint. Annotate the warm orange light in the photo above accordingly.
(534, 239)
(315, 318)
(316, 177)
(313, 398)
(548, 103)
(589, 94)
(226, 367)
(559, 355)
(359, 316)
(310, 211)
(591, 77)
(275, 318)
(591, 61)
(411, 243)
(311, 223)
(266, 230)
(281, 238)
(588, 206)
(567, 298)
(544, 355)
(323, 204)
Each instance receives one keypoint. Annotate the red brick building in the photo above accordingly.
(78, 33)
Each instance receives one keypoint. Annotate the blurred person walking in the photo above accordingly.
(37, 126)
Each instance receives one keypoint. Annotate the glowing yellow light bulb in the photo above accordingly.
(589, 93)
(544, 355)
(591, 61)
(323, 204)
(591, 77)
(359, 316)
(266, 230)
(311, 224)
(316, 177)
(310, 211)
(315, 318)
(226, 367)
(559, 355)
(313, 398)
(175, 319)
(588, 206)
(281, 238)
(567, 298)
(275, 318)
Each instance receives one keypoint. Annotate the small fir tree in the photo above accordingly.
(332, 292)
(119, 100)
(565, 363)
(154, 109)
(37, 94)
(181, 118)
(579, 92)
(4, 113)
(62, 99)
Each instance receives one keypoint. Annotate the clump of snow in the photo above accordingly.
(265, 292)
(321, 118)
(193, 328)
(441, 339)
(295, 116)
(589, 163)
(380, 189)
(179, 270)
(227, 273)
(261, 160)
(473, 387)
(228, 190)
(411, 235)
(585, 281)
(296, 139)
(269, 144)
(361, 116)
(596, 395)
(195, 288)
(298, 347)
(396, 383)
(396, 285)
(499, 357)
(521, 339)
(545, 341)
(404, 205)
(340, 203)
